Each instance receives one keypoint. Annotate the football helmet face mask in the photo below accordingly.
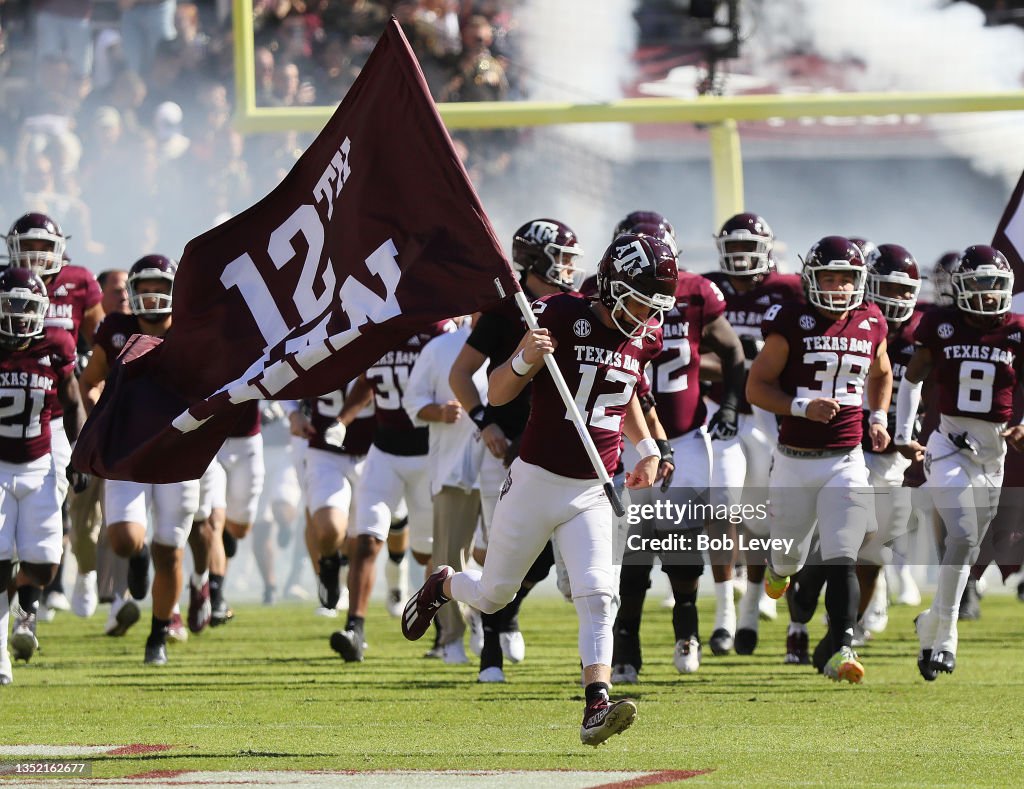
(636, 281)
(145, 301)
(23, 306)
(942, 280)
(983, 282)
(549, 249)
(36, 242)
(894, 282)
(745, 245)
(830, 256)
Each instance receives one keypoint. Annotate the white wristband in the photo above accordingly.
(799, 406)
(520, 366)
(879, 417)
(648, 448)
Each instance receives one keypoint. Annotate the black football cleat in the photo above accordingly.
(924, 665)
(220, 614)
(138, 574)
(746, 641)
(970, 603)
(822, 653)
(349, 644)
(605, 718)
(329, 581)
(943, 662)
(721, 642)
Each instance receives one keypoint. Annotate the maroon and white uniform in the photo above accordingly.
(976, 372)
(30, 520)
(396, 465)
(739, 467)
(551, 490)
(820, 467)
(72, 292)
(332, 472)
(171, 506)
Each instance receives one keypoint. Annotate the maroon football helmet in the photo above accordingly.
(983, 282)
(744, 245)
(631, 222)
(942, 280)
(865, 246)
(892, 268)
(23, 306)
(839, 254)
(36, 241)
(150, 305)
(641, 268)
(660, 232)
(549, 249)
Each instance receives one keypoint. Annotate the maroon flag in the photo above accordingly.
(1009, 237)
(375, 233)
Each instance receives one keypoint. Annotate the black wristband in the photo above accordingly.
(479, 416)
(665, 448)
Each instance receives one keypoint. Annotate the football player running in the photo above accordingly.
(602, 348)
(37, 367)
(816, 362)
(128, 505)
(974, 348)
(739, 471)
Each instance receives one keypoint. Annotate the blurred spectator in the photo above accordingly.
(336, 70)
(63, 30)
(264, 75)
(194, 42)
(108, 59)
(171, 143)
(144, 24)
(39, 193)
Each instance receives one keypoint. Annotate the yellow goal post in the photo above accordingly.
(719, 113)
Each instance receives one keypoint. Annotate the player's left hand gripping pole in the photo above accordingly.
(574, 412)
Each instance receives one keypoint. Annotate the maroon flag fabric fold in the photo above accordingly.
(375, 233)
(1009, 237)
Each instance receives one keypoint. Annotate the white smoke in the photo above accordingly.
(913, 45)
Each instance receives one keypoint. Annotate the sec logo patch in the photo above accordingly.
(807, 322)
(945, 330)
(581, 328)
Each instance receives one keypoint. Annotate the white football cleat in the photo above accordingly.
(397, 577)
(491, 674)
(876, 616)
(625, 673)
(767, 609)
(6, 674)
(124, 612)
(454, 653)
(909, 594)
(513, 647)
(23, 639)
(85, 597)
(687, 656)
(329, 613)
(58, 601)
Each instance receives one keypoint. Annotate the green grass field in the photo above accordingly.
(266, 693)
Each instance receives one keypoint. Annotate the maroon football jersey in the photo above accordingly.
(28, 392)
(72, 291)
(899, 347)
(827, 358)
(250, 420)
(325, 412)
(602, 367)
(389, 376)
(976, 370)
(744, 311)
(675, 372)
(113, 332)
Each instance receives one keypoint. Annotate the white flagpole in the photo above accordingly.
(570, 404)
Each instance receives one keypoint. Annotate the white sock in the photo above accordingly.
(199, 581)
(393, 572)
(796, 628)
(750, 605)
(725, 606)
(946, 606)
